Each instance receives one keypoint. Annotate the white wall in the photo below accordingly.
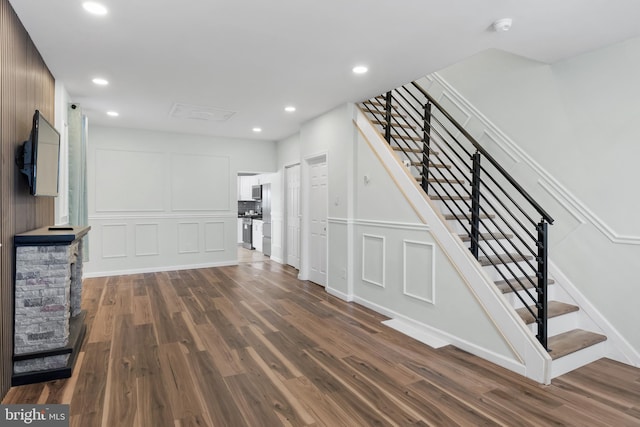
(331, 134)
(288, 154)
(162, 201)
(576, 124)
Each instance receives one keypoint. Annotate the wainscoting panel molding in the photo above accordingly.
(189, 173)
(114, 240)
(419, 270)
(147, 240)
(373, 259)
(137, 186)
(214, 236)
(188, 237)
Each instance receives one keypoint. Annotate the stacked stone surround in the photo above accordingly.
(48, 290)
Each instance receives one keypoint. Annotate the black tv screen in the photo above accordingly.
(40, 160)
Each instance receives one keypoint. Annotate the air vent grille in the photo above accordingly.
(200, 112)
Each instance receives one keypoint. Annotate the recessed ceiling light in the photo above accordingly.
(256, 130)
(113, 113)
(290, 109)
(360, 69)
(100, 82)
(94, 8)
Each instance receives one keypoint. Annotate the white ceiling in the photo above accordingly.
(254, 57)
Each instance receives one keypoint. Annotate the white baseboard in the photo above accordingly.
(336, 293)
(420, 334)
(436, 338)
(157, 269)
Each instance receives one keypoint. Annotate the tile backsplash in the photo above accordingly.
(249, 205)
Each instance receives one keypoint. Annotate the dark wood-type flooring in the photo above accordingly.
(253, 346)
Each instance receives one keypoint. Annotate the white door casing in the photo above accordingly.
(318, 198)
(292, 215)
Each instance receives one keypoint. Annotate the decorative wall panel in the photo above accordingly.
(137, 186)
(147, 239)
(114, 241)
(188, 238)
(214, 236)
(373, 259)
(191, 176)
(419, 270)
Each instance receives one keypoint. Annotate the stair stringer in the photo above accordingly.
(536, 362)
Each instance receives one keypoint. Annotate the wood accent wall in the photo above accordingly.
(26, 84)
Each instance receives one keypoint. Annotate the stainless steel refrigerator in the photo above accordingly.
(266, 217)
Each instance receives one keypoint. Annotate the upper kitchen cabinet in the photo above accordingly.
(245, 183)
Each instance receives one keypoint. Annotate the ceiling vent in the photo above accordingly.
(199, 112)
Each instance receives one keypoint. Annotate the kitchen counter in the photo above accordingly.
(254, 216)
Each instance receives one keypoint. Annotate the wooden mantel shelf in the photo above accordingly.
(56, 235)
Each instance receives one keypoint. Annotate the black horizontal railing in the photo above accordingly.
(492, 211)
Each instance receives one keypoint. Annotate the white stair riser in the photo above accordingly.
(580, 358)
(509, 270)
(515, 302)
(559, 324)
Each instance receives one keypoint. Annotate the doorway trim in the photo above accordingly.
(305, 226)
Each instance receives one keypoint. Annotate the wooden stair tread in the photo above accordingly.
(528, 282)
(554, 309)
(572, 341)
(400, 125)
(407, 138)
(437, 165)
(467, 216)
(411, 150)
(502, 259)
(445, 181)
(486, 236)
(447, 197)
(375, 112)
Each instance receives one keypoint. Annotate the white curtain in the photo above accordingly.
(78, 140)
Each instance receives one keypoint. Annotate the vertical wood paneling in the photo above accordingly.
(25, 85)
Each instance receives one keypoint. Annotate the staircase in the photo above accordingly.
(490, 213)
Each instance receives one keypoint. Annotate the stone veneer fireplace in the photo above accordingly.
(48, 322)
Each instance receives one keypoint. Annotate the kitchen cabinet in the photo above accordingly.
(244, 187)
(257, 234)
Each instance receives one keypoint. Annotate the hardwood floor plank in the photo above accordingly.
(178, 381)
(146, 351)
(154, 406)
(142, 310)
(122, 407)
(89, 393)
(226, 358)
(124, 342)
(326, 411)
(251, 345)
(448, 410)
(255, 409)
(380, 404)
(189, 342)
(222, 410)
(265, 352)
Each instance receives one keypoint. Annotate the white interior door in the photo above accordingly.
(292, 218)
(318, 197)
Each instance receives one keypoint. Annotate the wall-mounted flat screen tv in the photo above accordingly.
(39, 159)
